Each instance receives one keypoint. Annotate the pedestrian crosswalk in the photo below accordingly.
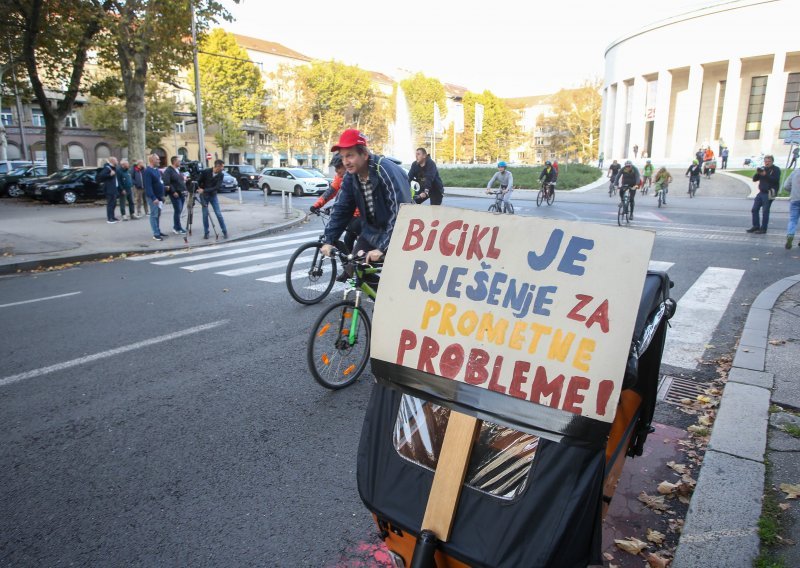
(700, 311)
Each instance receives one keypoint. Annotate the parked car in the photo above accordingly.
(4, 166)
(28, 185)
(317, 172)
(245, 174)
(295, 180)
(9, 183)
(79, 184)
(229, 182)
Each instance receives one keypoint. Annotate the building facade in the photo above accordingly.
(724, 75)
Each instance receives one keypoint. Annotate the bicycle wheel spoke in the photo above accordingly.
(309, 275)
(336, 362)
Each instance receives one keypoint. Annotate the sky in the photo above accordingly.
(511, 47)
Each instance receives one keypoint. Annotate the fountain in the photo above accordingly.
(402, 146)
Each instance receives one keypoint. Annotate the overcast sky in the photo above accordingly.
(511, 47)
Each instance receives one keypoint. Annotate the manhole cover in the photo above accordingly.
(675, 389)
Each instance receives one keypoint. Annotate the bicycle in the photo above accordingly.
(338, 348)
(623, 209)
(661, 193)
(310, 275)
(646, 183)
(500, 206)
(694, 182)
(546, 193)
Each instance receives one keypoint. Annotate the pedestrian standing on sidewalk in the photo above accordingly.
(138, 190)
(795, 154)
(792, 183)
(210, 184)
(108, 178)
(600, 160)
(125, 183)
(154, 188)
(724, 154)
(425, 173)
(769, 179)
(176, 186)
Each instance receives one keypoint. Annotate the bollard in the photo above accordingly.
(265, 198)
(240, 195)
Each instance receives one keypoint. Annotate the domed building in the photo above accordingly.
(724, 75)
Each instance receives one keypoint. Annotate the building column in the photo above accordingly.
(601, 134)
(639, 94)
(618, 144)
(730, 106)
(687, 115)
(609, 122)
(661, 121)
(773, 105)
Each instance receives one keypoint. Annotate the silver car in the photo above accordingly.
(294, 180)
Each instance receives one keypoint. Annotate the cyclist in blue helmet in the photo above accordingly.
(506, 181)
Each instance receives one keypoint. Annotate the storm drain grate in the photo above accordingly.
(674, 389)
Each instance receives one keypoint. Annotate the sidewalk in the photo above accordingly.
(749, 446)
(33, 234)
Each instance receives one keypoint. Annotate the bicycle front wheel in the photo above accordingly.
(493, 208)
(310, 275)
(338, 349)
(622, 214)
(551, 196)
(509, 208)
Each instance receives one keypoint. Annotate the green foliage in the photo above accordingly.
(792, 430)
(284, 114)
(231, 89)
(500, 129)
(229, 133)
(421, 92)
(570, 176)
(575, 122)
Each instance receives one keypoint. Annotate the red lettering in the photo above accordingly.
(604, 391)
(583, 299)
(451, 361)
(445, 246)
(414, 234)
(493, 251)
(600, 316)
(474, 248)
(408, 340)
(574, 398)
(493, 384)
(518, 379)
(427, 351)
(476, 373)
(542, 387)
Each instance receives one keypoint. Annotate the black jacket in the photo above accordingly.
(173, 181)
(770, 180)
(426, 176)
(108, 177)
(211, 182)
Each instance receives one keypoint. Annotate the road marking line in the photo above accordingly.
(282, 277)
(254, 268)
(699, 312)
(202, 249)
(37, 300)
(238, 260)
(660, 265)
(230, 252)
(110, 353)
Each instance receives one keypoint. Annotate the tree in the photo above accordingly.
(575, 121)
(108, 114)
(151, 36)
(336, 96)
(421, 92)
(232, 88)
(55, 38)
(285, 115)
(500, 130)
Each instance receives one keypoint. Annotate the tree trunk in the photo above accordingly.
(52, 144)
(136, 114)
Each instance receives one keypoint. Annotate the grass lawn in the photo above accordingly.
(750, 173)
(570, 176)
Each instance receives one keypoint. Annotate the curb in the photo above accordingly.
(467, 191)
(28, 265)
(721, 526)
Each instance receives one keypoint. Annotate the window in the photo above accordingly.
(76, 156)
(251, 137)
(37, 117)
(180, 127)
(755, 108)
(720, 104)
(791, 102)
(262, 138)
(71, 120)
(6, 117)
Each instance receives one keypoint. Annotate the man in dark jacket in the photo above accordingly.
(210, 184)
(176, 187)
(108, 178)
(373, 184)
(125, 183)
(769, 180)
(138, 190)
(426, 174)
(154, 188)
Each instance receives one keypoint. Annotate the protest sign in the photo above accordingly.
(527, 321)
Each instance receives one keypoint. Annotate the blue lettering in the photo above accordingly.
(478, 292)
(455, 282)
(542, 300)
(418, 276)
(573, 254)
(537, 262)
(494, 289)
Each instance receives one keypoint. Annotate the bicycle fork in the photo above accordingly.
(351, 338)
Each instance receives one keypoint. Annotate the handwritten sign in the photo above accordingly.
(535, 309)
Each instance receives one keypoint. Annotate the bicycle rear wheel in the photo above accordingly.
(539, 198)
(509, 207)
(338, 349)
(551, 196)
(493, 208)
(310, 275)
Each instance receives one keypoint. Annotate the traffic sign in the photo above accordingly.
(208, 156)
(794, 122)
(792, 137)
(183, 113)
(190, 121)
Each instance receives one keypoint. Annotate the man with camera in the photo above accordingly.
(769, 178)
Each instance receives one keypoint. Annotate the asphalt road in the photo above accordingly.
(160, 415)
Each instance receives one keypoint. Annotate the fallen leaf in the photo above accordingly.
(703, 398)
(754, 258)
(705, 420)
(656, 561)
(655, 536)
(225, 290)
(784, 506)
(683, 499)
(777, 341)
(686, 401)
(744, 304)
(631, 545)
(608, 556)
(656, 503)
(709, 346)
(792, 491)
(677, 467)
(667, 488)
(699, 430)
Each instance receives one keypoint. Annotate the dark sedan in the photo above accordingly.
(9, 183)
(27, 186)
(77, 185)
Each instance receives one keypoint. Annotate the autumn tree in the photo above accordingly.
(574, 122)
(421, 92)
(54, 37)
(285, 115)
(500, 129)
(146, 37)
